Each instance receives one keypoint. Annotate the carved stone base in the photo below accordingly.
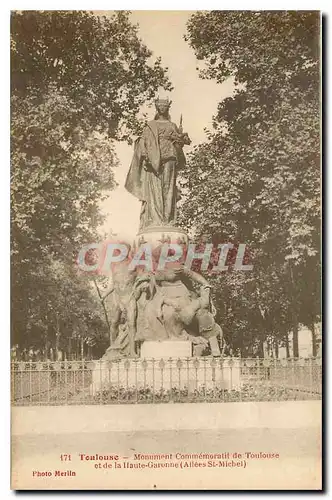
(166, 349)
(157, 235)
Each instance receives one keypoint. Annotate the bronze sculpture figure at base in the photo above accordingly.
(162, 305)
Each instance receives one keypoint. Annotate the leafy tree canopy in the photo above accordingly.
(77, 83)
(257, 178)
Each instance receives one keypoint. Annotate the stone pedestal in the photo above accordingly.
(157, 235)
(166, 349)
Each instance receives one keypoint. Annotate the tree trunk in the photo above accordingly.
(314, 340)
(287, 346)
(69, 350)
(261, 349)
(57, 341)
(296, 340)
(82, 348)
(47, 350)
(276, 349)
(57, 344)
(46, 345)
(294, 314)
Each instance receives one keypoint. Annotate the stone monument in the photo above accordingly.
(163, 313)
(159, 312)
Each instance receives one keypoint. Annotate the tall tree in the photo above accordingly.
(261, 165)
(77, 83)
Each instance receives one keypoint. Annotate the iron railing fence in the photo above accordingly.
(165, 380)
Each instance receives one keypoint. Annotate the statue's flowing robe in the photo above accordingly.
(155, 186)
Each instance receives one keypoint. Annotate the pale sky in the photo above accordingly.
(196, 99)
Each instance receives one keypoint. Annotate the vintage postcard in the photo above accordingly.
(165, 250)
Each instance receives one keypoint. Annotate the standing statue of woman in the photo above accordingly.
(152, 175)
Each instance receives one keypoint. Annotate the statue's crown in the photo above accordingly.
(164, 101)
